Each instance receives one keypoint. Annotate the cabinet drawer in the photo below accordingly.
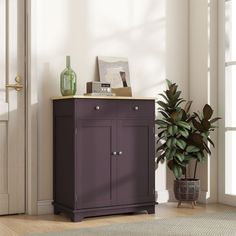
(136, 108)
(93, 109)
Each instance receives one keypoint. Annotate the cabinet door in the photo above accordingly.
(135, 166)
(94, 163)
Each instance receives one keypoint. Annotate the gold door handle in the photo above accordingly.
(17, 86)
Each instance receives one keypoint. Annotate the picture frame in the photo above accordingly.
(115, 70)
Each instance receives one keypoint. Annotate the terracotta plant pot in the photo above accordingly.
(187, 190)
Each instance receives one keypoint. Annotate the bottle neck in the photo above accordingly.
(68, 62)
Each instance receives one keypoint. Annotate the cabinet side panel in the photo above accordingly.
(64, 153)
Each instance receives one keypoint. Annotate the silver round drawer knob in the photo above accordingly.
(136, 108)
(120, 153)
(114, 153)
(97, 108)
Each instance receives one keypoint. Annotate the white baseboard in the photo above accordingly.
(203, 197)
(45, 207)
(162, 196)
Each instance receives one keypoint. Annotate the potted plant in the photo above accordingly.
(183, 137)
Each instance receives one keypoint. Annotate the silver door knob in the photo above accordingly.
(97, 108)
(114, 153)
(136, 108)
(120, 153)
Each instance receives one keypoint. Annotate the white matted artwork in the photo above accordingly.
(115, 70)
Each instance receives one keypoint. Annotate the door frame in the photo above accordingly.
(31, 149)
(223, 197)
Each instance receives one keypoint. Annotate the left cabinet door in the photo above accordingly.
(95, 164)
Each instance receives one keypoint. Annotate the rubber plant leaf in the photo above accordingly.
(206, 124)
(172, 129)
(169, 83)
(197, 125)
(207, 111)
(160, 158)
(211, 142)
(188, 106)
(171, 142)
(181, 144)
(214, 120)
(180, 156)
(184, 133)
(177, 170)
(183, 124)
(162, 104)
(191, 149)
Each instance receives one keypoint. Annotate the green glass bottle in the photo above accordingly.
(68, 80)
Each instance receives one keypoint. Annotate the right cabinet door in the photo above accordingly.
(135, 164)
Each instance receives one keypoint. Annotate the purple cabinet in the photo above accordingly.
(103, 156)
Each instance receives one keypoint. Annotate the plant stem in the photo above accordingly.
(195, 170)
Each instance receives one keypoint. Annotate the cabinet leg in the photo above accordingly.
(56, 211)
(76, 217)
(151, 210)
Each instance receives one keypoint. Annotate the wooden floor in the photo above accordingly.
(16, 225)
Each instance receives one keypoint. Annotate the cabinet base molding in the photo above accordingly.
(78, 215)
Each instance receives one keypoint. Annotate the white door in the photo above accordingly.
(227, 101)
(12, 105)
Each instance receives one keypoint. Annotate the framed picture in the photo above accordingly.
(115, 70)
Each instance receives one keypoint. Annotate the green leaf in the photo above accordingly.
(162, 147)
(164, 114)
(161, 122)
(200, 156)
(177, 170)
(164, 97)
(183, 124)
(181, 143)
(172, 130)
(160, 134)
(191, 149)
(207, 111)
(162, 104)
(170, 143)
(169, 83)
(180, 156)
(176, 96)
(170, 153)
(184, 133)
(182, 164)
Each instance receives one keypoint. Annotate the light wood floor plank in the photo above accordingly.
(18, 225)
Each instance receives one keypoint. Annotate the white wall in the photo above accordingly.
(177, 57)
(204, 80)
(162, 39)
(87, 28)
